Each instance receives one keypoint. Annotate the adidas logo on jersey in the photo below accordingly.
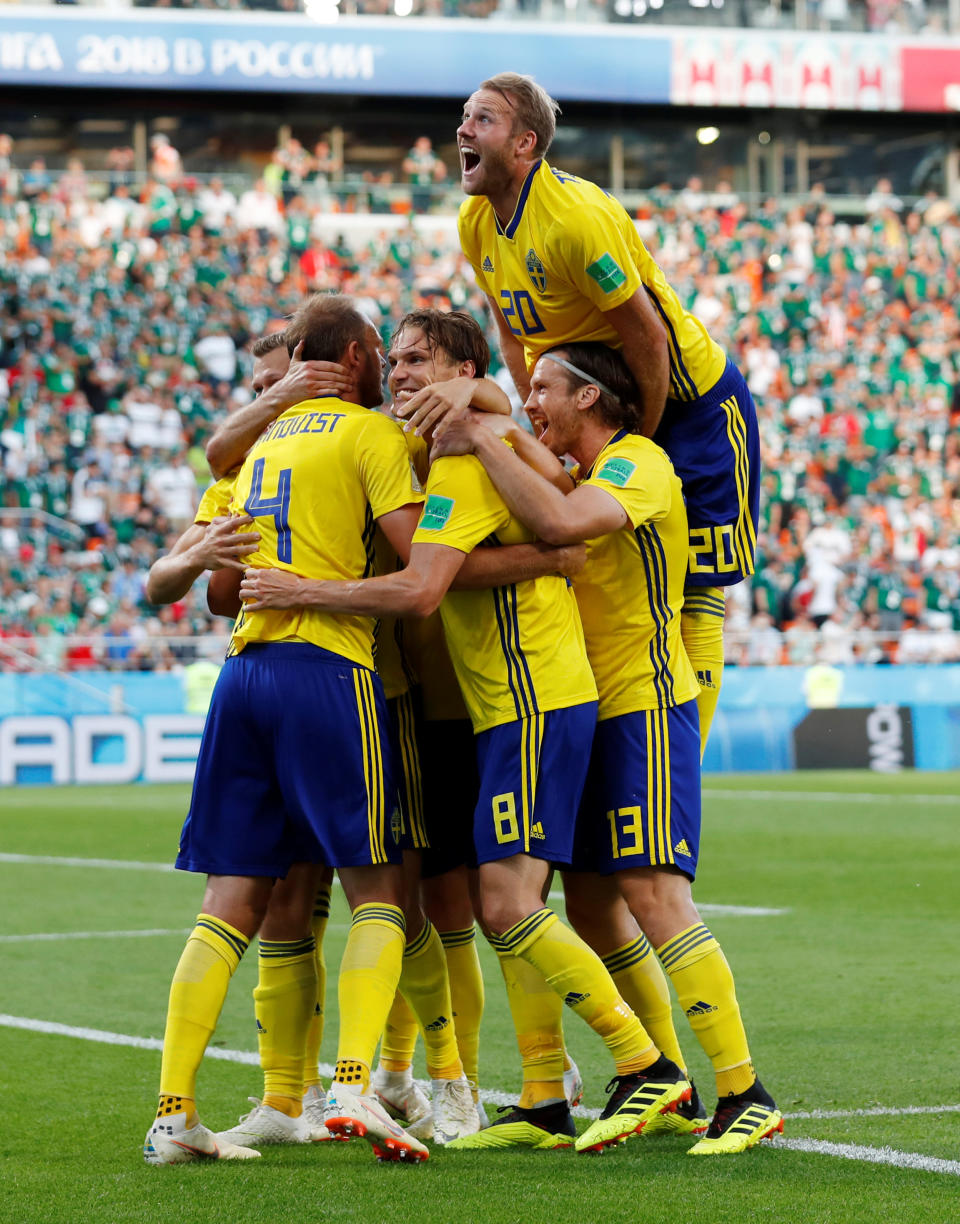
(260, 1028)
(682, 848)
(437, 1026)
(536, 830)
(487, 264)
(572, 999)
(701, 1009)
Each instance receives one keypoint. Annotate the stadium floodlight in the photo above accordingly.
(323, 12)
(707, 135)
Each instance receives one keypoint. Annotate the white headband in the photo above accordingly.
(587, 378)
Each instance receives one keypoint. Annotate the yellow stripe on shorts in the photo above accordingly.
(412, 778)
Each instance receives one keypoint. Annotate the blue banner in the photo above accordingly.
(116, 727)
(378, 56)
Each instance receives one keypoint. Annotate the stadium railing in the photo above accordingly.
(75, 654)
(390, 204)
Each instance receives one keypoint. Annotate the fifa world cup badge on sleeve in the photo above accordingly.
(617, 471)
(607, 273)
(436, 513)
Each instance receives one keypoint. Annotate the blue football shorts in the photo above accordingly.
(641, 801)
(714, 445)
(403, 717)
(295, 764)
(532, 772)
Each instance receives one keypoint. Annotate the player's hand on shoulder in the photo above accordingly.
(307, 380)
(270, 588)
(225, 545)
(459, 437)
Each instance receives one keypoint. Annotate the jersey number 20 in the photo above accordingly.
(518, 308)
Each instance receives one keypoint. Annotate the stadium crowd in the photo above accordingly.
(874, 16)
(125, 331)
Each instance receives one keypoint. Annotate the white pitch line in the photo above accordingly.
(875, 1111)
(45, 860)
(728, 911)
(831, 796)
(53, 936)
(872, 1155)
(847, 1151)
(48, 860)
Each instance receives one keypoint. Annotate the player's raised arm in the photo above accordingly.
(556, 518)
(279, 383)
(440, 402)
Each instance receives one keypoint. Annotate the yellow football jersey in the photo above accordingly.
(316, 481)
(216, 500)
(517, 650)
(630, 592)
(423, 642)
(569, 254)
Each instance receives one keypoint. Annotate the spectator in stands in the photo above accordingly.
(257, 211)
(109, 387)
(423, 169)
(165, 163)
(217, 205)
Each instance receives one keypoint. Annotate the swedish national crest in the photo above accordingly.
(536, 271)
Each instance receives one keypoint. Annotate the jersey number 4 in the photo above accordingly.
(278, 506)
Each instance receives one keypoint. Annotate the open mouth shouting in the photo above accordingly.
(469, 161)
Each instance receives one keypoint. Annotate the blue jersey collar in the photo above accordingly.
(621, 433)
(517, 217)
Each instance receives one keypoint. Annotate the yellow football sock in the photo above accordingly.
(284, 999)
(701, 628)
(639, 977)
(537, 1011)
(318, 927)
(174, 1105)
(704, 985)
(466, 995)
(577, 974)
(399, 1036)
(369, 973)
(426, 987)
(197, 992)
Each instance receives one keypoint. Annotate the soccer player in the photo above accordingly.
(423, 978)
(295, 761)
(437, 358)
(561, 261)
(640, 817)
(448, 349)
(289, 995)
(520, 661)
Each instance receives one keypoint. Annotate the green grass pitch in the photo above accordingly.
(850, 994)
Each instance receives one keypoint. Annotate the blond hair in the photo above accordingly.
(533, 108)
